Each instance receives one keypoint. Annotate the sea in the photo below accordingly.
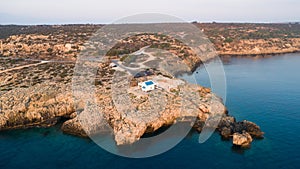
(264, 90)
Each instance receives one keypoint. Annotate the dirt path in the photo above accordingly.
(23, 66)
(33, 64)
(122, 67)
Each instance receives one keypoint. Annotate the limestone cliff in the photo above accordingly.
(43, 105)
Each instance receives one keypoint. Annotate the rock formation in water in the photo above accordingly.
(228, 126)
(243, 139)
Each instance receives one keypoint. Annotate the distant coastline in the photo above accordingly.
(65, 42)
(239, 55)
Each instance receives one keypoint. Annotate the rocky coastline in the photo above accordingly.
(46, 105)
(64, 42)
(36, 71)
(43, 102)
(257, 55)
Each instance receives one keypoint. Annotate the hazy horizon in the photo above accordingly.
(233, 22)
(35, 12)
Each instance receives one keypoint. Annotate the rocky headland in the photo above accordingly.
(41, 96)
(36, 71)
(50, 101)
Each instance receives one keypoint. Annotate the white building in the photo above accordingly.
(113, 65)
(147, 85)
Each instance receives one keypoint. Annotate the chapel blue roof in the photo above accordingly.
(148, 83)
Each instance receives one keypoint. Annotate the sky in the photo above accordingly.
(108, 11)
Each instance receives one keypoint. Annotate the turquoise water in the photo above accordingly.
(266, 91)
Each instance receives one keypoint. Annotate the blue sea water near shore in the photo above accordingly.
(265, 91)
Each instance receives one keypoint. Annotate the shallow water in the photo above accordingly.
(265, 91)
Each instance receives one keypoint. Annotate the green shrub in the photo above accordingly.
(228, 40)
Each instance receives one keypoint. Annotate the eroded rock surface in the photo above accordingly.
(228, 126)
(243, 139)
(40, 105)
